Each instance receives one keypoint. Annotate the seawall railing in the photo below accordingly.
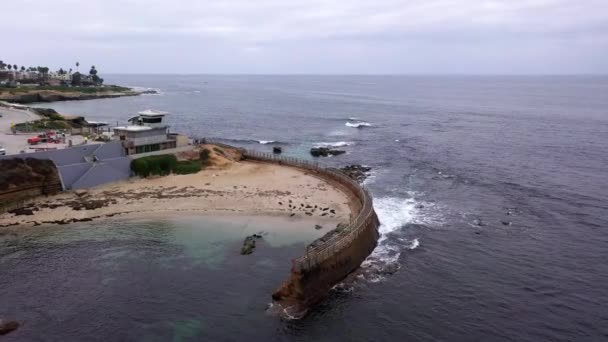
(316, 255)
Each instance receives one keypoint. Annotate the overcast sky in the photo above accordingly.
(309, 36)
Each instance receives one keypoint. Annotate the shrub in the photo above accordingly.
(140, 167)
(154, 165)
(187, 167)
(54, 117)
(163, 165)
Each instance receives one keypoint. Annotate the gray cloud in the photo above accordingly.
(310, 36)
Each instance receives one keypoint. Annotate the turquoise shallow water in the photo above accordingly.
(152, 279)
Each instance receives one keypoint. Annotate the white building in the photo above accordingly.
(62, 77)
(148, 133)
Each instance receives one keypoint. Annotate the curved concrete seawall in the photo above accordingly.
(329, 262)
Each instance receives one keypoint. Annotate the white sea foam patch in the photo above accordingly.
(358, 124)
(264, 142)
(333, 144)
(394, 213)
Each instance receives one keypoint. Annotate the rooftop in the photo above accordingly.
(134, 128)
(150, 112)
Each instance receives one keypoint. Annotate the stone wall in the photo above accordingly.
(325, 265)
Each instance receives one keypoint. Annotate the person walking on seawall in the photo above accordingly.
(86, 139)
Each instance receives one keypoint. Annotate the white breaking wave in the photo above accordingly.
(394, 213)
(334, 144)
(358, 124)
(264, 142)
(415, 243)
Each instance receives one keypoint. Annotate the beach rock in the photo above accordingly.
(317, 226)
(80, 193)
(325, 152)
(8, 326)
(249, 244)
(356, 172)
(277, 150)
(23, 211)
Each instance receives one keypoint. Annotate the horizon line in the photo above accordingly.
(352, 74)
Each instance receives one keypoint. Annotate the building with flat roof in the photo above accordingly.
(147, 132)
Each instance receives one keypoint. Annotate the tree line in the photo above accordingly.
(77, 78)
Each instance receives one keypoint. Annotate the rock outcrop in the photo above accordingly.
(325, 152)
(35, 95)
(356, 172)
(249, 244)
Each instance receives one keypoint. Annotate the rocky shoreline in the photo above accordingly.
(34, 96)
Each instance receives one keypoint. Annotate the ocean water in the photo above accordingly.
(492, 193)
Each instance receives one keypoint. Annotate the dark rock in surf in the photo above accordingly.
(325, 152)
(8, 326)
(249, 244)
(356, 172)
(277, 150)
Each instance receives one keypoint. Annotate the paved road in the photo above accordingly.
(15, 143)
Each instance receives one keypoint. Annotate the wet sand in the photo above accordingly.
(243, 188)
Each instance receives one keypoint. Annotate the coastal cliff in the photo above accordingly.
(48, 94)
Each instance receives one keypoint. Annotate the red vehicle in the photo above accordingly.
(49, 137)
(34, 140)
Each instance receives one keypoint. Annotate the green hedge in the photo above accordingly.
(187, 167)
(154, 165)
(164, 165)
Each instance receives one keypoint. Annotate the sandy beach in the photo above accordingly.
(239, 188)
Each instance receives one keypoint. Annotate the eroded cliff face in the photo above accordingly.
(23, 179)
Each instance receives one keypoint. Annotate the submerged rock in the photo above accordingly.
(249, 244)
(325, 152)
(277, 150)
(8, 326)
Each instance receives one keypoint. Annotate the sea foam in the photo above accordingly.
(333, 144)
(358, 124)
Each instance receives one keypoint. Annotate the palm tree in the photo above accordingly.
(15, 66)
(10, 67)
(77, 65)
(22, 68)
